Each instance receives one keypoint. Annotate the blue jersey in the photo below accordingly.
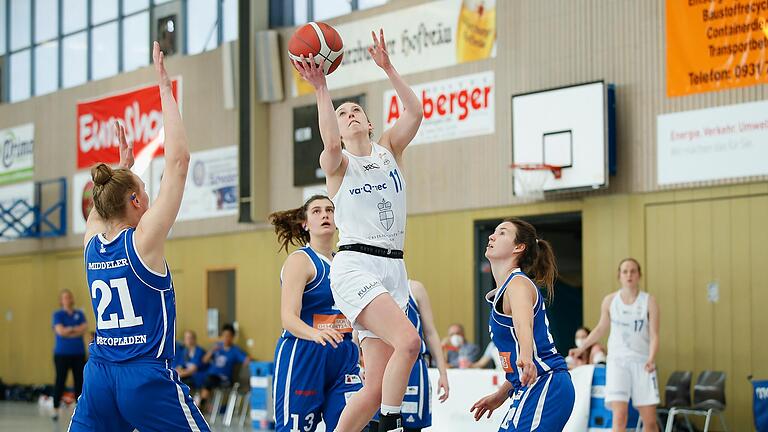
(545, 355)
(415, 317)
(135, 307)
(69, 345)
(317, 305)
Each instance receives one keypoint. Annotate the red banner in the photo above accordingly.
(139, 110)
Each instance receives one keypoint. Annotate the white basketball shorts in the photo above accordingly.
(629, 379)
(358, 278)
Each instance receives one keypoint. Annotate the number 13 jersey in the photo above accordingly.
(135, 307)
(629, 338)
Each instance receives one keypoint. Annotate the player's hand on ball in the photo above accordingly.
(487, 405)
(328, 336)
(311, 72)
(379, 52)
(527, 371)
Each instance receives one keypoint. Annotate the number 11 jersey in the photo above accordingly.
(135, 307)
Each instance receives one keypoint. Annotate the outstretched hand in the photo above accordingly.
(311, 71)
(158, 59)
(378, 51)
(126, 148)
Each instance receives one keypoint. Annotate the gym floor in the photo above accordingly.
(28, 417)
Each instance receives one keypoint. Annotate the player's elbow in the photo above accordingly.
(416, 111)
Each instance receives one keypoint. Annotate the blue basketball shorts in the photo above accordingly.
(313, 383)
(146, 395)
(545, 405)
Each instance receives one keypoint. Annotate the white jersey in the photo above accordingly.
(370, 203)
(630, 337)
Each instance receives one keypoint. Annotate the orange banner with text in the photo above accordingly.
(715, 45)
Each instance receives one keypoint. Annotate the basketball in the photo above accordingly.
(317, 40)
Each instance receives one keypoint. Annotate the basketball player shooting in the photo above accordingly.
(368, 277)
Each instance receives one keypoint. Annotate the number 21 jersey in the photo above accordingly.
(135, 307)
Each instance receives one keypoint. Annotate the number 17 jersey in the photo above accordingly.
(135, 307)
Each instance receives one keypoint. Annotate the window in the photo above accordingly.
(132, 6)
(136, 41)
(103, 11)
(46, 67)
(75, 55)
(2, 28)
(20, 24)
(104, 51)
(229, 9)
(46, 20)
(21, 76)
(366, 4)
(74, 16)
(201, 26)
(325, 9)
(300, 12)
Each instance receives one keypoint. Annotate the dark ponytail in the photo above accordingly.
(538, 258)
(289, 224)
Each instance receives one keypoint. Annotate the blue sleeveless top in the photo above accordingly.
(545, 355)
(135, 307)
(415, 317)
(318, 308)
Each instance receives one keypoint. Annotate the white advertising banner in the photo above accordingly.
(420, 38)
(713, 143)
(470, 385)
(17, 153)
(454, 108)
(16, 216)
(211, 188)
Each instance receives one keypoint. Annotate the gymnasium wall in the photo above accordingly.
(541, 45)
(684, 239)
(208, 125)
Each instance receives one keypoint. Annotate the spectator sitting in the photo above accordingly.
(458, 352)
(222, 358)
(490, 357)
(189, 362)
(595, 355)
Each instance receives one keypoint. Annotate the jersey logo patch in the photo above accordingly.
(412, 390)
(352, 379)
(335, 322)
(506, 361)
(386, 215)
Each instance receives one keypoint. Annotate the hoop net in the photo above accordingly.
(532, 177)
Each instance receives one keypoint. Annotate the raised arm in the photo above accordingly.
(402, 132)
(94, 224)
(653, 329)
(432, 337)
(331, 157)
(296, 273)
(520, 300)
(158, 220)
(600, 329)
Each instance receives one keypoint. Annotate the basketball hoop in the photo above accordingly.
(533, 177)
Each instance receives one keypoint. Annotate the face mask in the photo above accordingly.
(457, 340)
(579, 342)
(598, 358)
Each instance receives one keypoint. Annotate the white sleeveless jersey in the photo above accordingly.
(370, 204)
(630, 337)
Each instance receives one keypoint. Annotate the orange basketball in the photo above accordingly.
(317, 40)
